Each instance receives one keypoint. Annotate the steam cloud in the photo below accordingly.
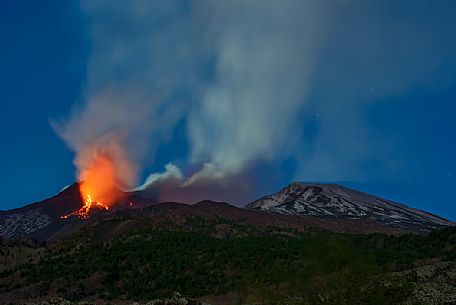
(147, 54)
(264, 57)
(239, 73)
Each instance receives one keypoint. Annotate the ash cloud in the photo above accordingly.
(130, 78)
(253, 81)
(144, 75)
(265, 52)
(207, 183)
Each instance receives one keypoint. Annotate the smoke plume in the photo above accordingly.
(237, 72)
(265, 53)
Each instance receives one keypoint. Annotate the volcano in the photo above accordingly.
(299, 205)
(41, 220)
(332, 201)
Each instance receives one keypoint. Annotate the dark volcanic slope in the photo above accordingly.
(223, 217)
(298, 206)
(41, 220)
(332, 201)
(209, 210)
(34, 219)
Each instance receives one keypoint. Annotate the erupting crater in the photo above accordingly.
(84, 211)
(100, 184)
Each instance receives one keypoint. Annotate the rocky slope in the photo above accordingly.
(334, 201)
(301, 206)
(42, 220)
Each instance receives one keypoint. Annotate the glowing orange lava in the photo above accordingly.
(84, 211)
(98, 186)
(99, 180)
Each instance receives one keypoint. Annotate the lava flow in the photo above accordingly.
(100, 179)
(85, 210)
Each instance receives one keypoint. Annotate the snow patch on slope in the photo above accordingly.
(331, 200)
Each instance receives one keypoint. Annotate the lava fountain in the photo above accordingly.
(103, 171)
(85, 210)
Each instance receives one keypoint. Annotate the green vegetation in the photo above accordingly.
(269, 267)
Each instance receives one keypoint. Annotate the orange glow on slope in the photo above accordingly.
(104, 170)
(98, 186)
(85, 210)
(99, 181)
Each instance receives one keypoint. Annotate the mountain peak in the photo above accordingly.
(337, 201)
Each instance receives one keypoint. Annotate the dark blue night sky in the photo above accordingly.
(378, 112)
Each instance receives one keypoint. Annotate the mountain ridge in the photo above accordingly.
(337, 201)
(42, 220)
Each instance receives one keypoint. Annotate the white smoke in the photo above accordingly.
(265, 52)
(145, 74)
(239, 73)
(207, 183)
